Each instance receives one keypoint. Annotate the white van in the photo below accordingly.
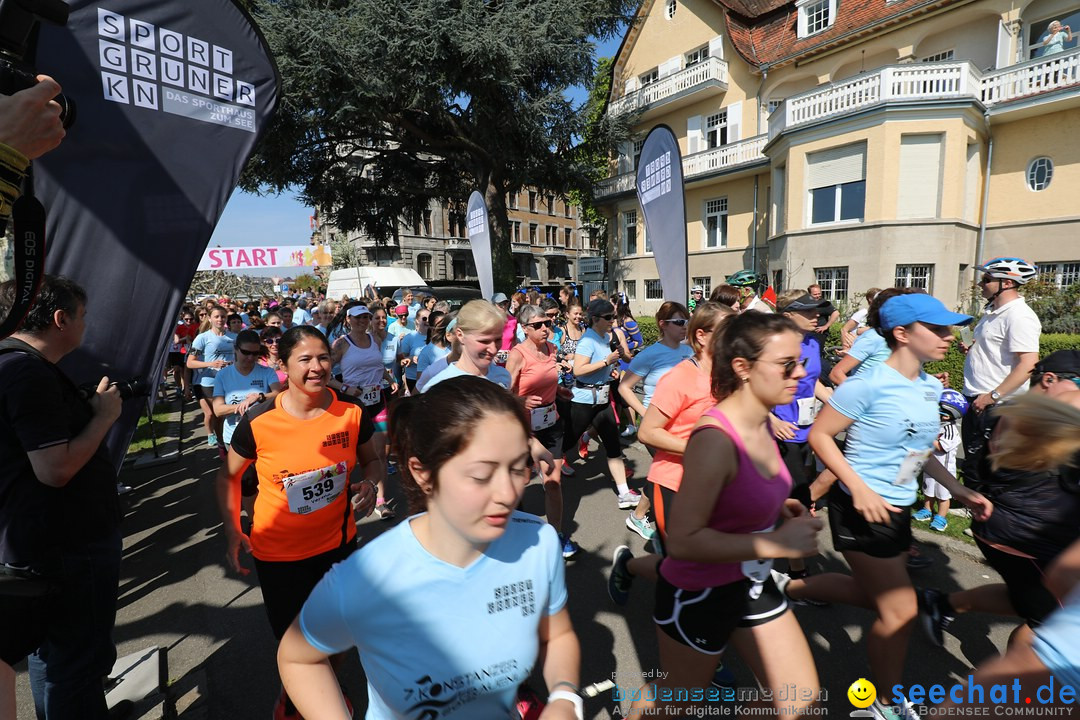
(352, 281)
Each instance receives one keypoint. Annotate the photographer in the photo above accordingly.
(59, 514)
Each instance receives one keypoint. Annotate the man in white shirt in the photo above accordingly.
(1006, 345)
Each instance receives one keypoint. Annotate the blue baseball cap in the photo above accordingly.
(906, 309)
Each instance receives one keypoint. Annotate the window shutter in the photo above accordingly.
(632, 84)
(716, 47)
(920, 176)
(671, 67)
(693, 135)
(734, 122)
(836, 165)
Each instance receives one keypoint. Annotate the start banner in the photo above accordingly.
(265, 256)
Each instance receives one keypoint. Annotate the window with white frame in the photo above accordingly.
(943, 56)
(532, 201)
(833, 282)
(1040, 172)
(629, 288)
(648, 78)
(534, 238)
(705, 282)
(774, 103)
(915, 276)
(551, 235)
(836, 179)
(551, 204)
(513, 201)
(638, 144)
(630, 232)
(654, 290)
(716, 127)
(1061, 274)
(815, 16)
(716, 223)
(515, 231)
(568, 237)
(697, 56)
(670, 8)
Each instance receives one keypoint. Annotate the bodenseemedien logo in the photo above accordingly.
(158, 69)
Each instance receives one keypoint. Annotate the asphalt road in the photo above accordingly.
(176, 593)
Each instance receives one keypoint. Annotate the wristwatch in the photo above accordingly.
(344, 389)
(579, 706)
(261, 397)
(995, 396)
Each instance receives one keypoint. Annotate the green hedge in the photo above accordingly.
(952, 363)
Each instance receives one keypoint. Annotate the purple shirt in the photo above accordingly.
(811, 352)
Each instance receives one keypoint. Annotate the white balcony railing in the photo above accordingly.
(1030, 78)
(712, 69)
(699, 164)
(927, 81)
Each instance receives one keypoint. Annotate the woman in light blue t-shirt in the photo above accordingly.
(890, 414)
(450, 609)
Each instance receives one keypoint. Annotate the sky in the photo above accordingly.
(283, 220)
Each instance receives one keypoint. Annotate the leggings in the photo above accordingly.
(602, 417)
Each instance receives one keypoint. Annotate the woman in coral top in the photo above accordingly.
(534, 377)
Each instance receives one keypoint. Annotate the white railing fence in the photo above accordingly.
(712, 68)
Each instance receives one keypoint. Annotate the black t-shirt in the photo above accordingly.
(41, 408)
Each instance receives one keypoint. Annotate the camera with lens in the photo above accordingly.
(136, 387)
(18, 21)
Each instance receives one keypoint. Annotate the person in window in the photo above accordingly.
(1053, 41)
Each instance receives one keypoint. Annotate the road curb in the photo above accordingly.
(949, 545)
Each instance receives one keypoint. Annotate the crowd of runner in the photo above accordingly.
(755, 430)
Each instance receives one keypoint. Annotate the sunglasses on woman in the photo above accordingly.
(677, 321)
(790, 365)
(271, 341)
(540, 324)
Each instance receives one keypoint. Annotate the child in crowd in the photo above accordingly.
(952, 407)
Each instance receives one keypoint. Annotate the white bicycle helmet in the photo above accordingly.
(1018, 270)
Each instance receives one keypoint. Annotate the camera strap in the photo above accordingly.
(28, 225)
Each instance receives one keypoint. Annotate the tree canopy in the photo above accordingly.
(388, 105)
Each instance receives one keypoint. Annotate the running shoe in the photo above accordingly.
(629, 431)
(384, 509)
(939, 523)
(122, 489)
(642, 526)
(211, 440)
(569, 547)
(916, 560)
(619, 579)
(904, 711)
(723, 677)
(583, 447)
(922, 515)
(802, 575)
(935, 613)
(568, 469)
(629, 500)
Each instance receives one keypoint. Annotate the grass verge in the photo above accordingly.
(141, 440)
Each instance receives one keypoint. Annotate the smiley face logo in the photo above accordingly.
(862, 693)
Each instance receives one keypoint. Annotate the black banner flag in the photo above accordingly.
(663, 202)
(172, 98)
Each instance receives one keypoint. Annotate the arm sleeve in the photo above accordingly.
(198, 346)
(860, 349)
(668, 397)
(1024, 334)
(949, 440)
(641, 365)
(634, 339)
(219, 386)
(34, 406)
(556, 570)
(586, 347)
(853, 398)
(243, 439)
(322, 619)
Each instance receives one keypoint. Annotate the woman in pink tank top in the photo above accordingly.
(716, 583)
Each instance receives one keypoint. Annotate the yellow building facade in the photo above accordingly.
(854, 143)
